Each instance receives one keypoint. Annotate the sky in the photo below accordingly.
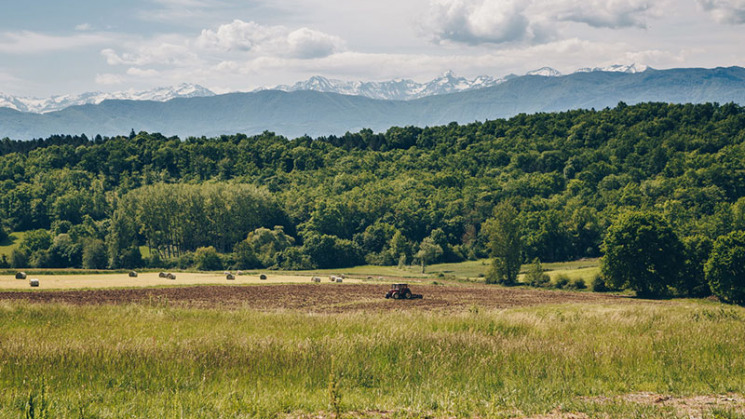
(52, 47)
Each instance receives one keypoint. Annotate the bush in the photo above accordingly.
(598, 284)
(19, 259)
(207, 259)
(185, 261)
(561, 281)
(725, 269)
(578, 284)
(94, 254)
(535, 277)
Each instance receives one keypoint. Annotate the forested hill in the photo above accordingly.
(315, 113)
(266, 201)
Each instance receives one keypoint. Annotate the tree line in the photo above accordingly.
(406, 195)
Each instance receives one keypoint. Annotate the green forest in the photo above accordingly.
(396, 197)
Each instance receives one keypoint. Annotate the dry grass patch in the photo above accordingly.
(150, 279)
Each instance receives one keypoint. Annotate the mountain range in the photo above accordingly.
(399, 89)
(316, 113)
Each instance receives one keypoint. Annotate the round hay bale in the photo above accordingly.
(369, 278)
(239, 273)
(21, 275)
(342, 276)
(316, 279)
(226, 273)
(339, 280)
(132, 274)
(162, 275)
(170, 276)
(34, 282)
(262, 276)
(332, 278)
(230, 276)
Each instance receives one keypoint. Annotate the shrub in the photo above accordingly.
(18, 258)
(598, 284)
(725, 269)
(578, 284)
(94, 254)
(561, 281)
(185, 261)
(207, 259)
(535, 276)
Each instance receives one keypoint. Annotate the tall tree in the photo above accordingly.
(505, 247)
(643, 253)
(428, 251)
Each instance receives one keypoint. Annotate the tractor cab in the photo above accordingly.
(401, 291)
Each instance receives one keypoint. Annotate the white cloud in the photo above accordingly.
(84, 27)
(725, 11)
(109, 79)
(144, 73)
(307, 43)
(269, 40)
(504, 21)
(604, 13)
(478, 21)
(27, 42)
(155, 52)
(242, 36)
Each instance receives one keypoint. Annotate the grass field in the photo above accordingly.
(582, 360)
(149, 279)
(306, 351)
(471, 271)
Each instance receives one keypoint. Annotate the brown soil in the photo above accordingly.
(320, 297)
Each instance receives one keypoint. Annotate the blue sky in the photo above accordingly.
(53, 48)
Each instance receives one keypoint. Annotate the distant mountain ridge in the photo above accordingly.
(57, 103)
(405, 89)
(302, 112)
(398, 89)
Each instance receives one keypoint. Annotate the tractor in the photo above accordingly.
(401, 292)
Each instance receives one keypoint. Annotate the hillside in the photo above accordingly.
(266, 201)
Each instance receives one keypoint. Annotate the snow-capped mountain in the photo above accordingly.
(405, 89)
(545, 72)
(56, 103)
(617, 68)
(398, 89)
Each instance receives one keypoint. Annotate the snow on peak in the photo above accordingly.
(617, 68)
(396, 89)
(545, 72)
(56, 103)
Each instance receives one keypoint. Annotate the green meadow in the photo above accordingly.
(156, 360)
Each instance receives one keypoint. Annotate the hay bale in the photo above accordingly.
(315, 279)
(339, 280)
(262, 276)
(332, 278)
(230, 276)
(239, 273)
(34, 282)
(226, 273)
(162, 275)
(132, 274)
(21, 275)
(170, 276)
(342, 276)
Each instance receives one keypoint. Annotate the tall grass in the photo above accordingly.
(152, 360)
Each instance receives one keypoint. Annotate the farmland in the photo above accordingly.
(279, 348)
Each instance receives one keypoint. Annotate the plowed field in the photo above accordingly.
(320, 297)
